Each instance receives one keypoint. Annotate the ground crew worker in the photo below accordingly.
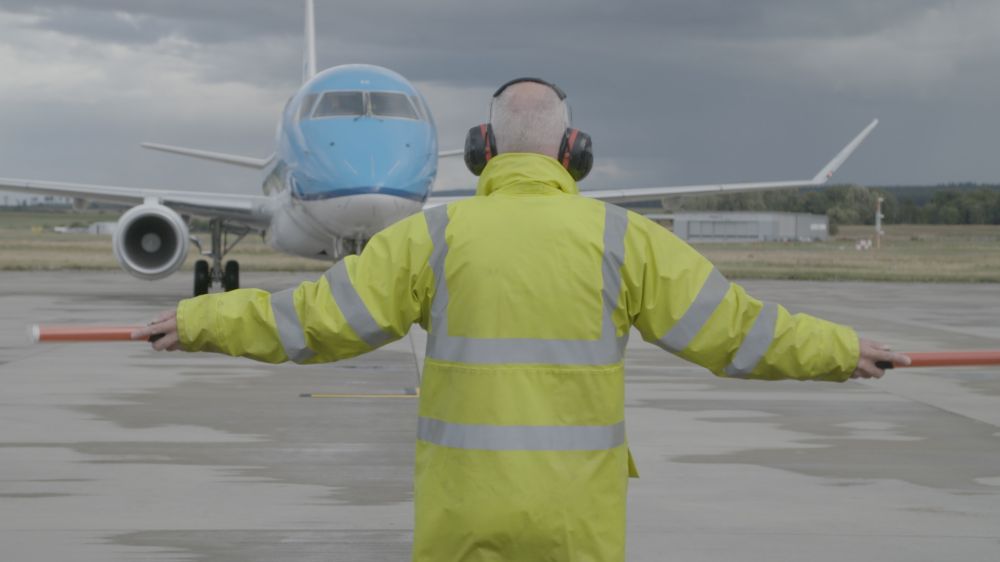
(528, 292)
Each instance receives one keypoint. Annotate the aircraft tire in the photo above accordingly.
(231, 277)
(202, 278)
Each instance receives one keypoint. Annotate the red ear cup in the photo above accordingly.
(576, 153)
(566, 146)
(480, 146)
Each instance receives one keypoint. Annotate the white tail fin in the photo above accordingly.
(827, 172)
(309, 57)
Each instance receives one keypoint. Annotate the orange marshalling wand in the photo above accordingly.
(948, 359)
(82, 333)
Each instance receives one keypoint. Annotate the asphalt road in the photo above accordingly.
(110, 452)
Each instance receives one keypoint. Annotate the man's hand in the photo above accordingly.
(871, 353)
(165, 325)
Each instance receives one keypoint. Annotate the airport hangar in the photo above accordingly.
(745, 226)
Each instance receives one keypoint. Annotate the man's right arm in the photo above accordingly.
(360, 304)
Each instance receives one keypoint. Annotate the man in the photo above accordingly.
(528, 292)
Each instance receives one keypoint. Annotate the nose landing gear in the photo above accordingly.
(204, 277)
(228, 277)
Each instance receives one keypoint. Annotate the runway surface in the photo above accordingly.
(111, 452)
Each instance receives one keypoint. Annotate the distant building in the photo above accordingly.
(750, 227)
(22, 200)
(97, 228)
(102, 228)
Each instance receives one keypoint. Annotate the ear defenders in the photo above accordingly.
(576, 152)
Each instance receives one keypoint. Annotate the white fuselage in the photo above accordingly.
(318, 229)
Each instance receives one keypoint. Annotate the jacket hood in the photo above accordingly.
(525, 173)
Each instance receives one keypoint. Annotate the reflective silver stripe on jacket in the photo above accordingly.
(607, 350)
(286, 318)
(354, 309)
(437, 222)
(755, 344)
(711, 295)
(521, 437)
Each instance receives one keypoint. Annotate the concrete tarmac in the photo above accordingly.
(111, 452)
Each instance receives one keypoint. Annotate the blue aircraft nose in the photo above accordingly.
(365, 155)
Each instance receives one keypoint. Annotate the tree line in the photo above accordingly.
(855, 204)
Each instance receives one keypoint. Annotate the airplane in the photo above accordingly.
(357, 151)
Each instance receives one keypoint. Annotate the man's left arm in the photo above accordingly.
(680, 302)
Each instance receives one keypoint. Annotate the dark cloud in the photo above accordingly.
(672, 91)
(436, 22)
(205, 22)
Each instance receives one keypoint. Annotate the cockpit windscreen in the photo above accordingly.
(391, 104)
(338, 104)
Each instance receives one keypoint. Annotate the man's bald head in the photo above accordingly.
(529, 117)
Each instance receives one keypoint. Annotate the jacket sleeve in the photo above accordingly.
(361, 303)
(678, 300)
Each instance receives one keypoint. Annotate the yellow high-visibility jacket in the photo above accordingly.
(528, 292)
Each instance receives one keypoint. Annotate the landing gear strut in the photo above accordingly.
(228, 277)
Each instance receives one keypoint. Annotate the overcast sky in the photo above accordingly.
(673, 91)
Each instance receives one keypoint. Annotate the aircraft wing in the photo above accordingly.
(648, 193)
(251, 210)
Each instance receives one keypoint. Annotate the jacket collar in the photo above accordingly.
(523, 173)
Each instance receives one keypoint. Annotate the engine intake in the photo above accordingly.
(151, 241)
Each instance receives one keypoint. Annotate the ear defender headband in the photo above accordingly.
(576, 152)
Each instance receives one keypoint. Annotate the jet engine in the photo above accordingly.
(151, 241)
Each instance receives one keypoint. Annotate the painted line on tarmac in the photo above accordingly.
(409, 392)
